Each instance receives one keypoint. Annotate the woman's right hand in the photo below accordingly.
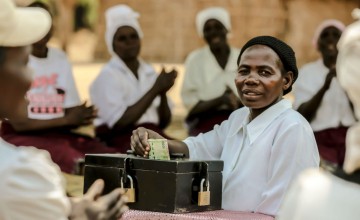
(139, 141)
(230, 99)
(80, 115)
(165, 80)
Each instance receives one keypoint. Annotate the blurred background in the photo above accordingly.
(170, 33)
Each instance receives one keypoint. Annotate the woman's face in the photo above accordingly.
(328, 40)
(126, 43)
(215, 33)
(15, 80)
(260, 81)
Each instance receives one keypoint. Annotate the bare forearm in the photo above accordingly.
(134, 112)
(36, 125)
(178, 147)
(164, 112)
(308, 109)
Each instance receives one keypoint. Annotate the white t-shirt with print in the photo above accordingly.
(53, 88)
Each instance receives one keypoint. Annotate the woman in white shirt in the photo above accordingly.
(208, 91)
(54, 110)
(320, 195)
(128, 92)
(32, 186)
(320, 98)
(265, 144)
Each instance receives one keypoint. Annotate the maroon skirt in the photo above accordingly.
(65, 148)
(331, 144)
(206, 121)
(120, 139)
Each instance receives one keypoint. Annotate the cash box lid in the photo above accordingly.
(139, 163)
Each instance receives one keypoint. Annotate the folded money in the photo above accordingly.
(159, 149)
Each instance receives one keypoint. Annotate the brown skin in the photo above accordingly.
(327, 47)
(15, 80)
(260, 82)
(127, 45)
(215, 36)
(74, 117)
(14, 83)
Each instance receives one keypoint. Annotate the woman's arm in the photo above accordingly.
(140, 145)
(133, 113)
(308, 109)
(164, 111)
(74, 117)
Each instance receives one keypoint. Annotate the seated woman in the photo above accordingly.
(208, 90)
(128, 92)
(54, 109)
(319, 195)
(320, 98)
(265, 144)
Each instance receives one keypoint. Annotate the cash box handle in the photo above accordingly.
(127, 166)
(204, 173)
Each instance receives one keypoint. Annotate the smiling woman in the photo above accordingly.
(266, 142)
(320, 98)
(261, 79)
(208, 91)
(128, 92)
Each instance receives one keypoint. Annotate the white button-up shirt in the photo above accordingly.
(334, 110)
(31, 185)
(261, 158)
(116, 88)
(317, 195)
(205, 79)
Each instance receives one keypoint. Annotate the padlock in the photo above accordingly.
(204, 196)
(129, 192)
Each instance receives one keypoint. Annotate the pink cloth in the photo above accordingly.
(207, 121)
(214, 215)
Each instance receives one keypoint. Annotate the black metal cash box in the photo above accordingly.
(171, 186)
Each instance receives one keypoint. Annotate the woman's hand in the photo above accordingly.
(230, 99)
(165, 80)
(139, 141)
(80, 115)
(93, 206)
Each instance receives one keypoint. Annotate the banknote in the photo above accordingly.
(159, 149)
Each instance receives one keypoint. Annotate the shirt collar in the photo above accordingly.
(144, 68)
(256, 127)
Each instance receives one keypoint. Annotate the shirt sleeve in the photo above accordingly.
(34, 189)
(108, 95)
(72, 97)
(189, 90)
(293, 151)
(208, 146)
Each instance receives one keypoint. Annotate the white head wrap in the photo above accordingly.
(348, 73)
(118, 16)
(325, 24)
(217, 13)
